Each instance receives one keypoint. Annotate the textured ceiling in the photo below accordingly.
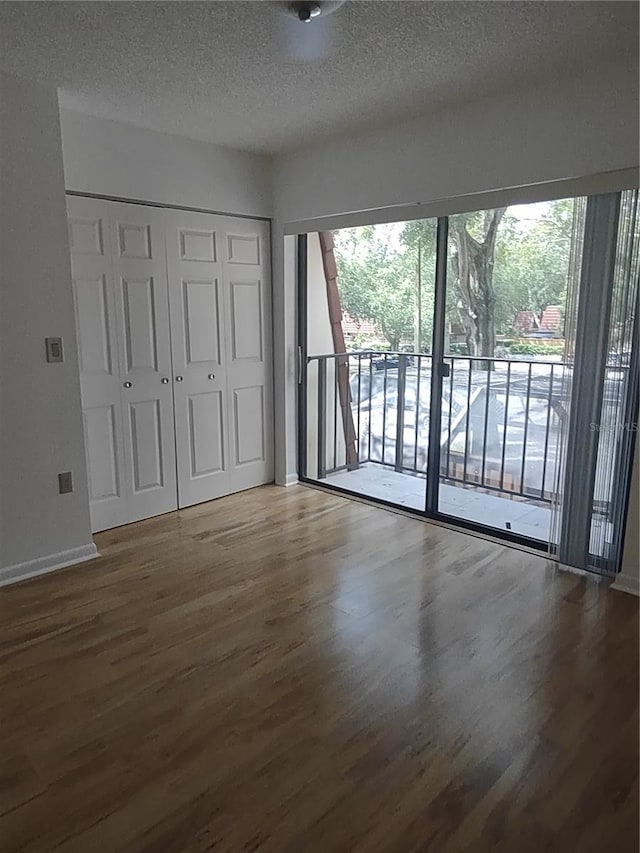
(228, 72)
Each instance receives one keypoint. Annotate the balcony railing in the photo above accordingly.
(500, 422)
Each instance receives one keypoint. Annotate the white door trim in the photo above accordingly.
(165, 205)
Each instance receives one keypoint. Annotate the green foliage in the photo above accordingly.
(536, 348)
(378, 272)
(532, 263)
(378, 280)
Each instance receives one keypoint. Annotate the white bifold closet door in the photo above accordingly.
(221, 334)
(174, 335)
(120, 288)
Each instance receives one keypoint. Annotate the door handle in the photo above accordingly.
(445, 370)
(212, 376)
(164, 380)
(127, 384)
(178, 378)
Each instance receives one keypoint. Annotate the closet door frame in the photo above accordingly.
(252, 374)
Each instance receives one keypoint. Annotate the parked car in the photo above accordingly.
(390, 362)
(378, 426)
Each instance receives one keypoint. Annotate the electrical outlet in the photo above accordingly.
(65, 483)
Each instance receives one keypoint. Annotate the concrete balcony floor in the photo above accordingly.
(465, 503)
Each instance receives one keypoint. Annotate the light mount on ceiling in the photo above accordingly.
(308, 10)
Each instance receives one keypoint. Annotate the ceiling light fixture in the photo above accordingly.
(307, 10)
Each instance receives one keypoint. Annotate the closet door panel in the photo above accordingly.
(94, 296)
(144, 346)
(206, 433)
(196, 296)
(246, 263)
(174, 329)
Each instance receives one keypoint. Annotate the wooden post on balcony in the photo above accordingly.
(342, 364)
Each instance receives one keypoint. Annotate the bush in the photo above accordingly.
(506, 349)
(536, 348)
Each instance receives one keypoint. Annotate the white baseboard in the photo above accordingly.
(289, 480)
(43, 565)
(627, 583)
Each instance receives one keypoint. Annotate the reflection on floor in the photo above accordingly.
(286, 670)
(407, 490)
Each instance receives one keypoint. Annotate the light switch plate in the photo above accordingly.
(65, 483)
(54, 350)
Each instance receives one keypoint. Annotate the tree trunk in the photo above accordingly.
(475, 277)
(394, 342)
(341, 365)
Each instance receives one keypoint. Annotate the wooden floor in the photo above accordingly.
(287, 670)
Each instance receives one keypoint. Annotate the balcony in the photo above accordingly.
(501, 422)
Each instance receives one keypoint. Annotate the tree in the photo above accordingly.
(532, 262)
(500, 262)
(474, 236)
(419, 239)
(527, 266)
(377, 280)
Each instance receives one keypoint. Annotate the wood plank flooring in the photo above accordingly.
(286, 670)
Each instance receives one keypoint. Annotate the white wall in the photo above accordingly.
(575, 128)
(40, 417)
(579, 127)
(109, 158)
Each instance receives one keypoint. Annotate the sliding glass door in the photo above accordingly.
(367, 389)
(479, 369)
(509, 276)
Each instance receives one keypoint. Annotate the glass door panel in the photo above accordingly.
(369, 315)
(503, 405)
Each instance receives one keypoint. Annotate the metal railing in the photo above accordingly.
(500, 418)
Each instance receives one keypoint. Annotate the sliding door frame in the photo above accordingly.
(301, 353)
(430, 512)
(438, 369)
(598, 258)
